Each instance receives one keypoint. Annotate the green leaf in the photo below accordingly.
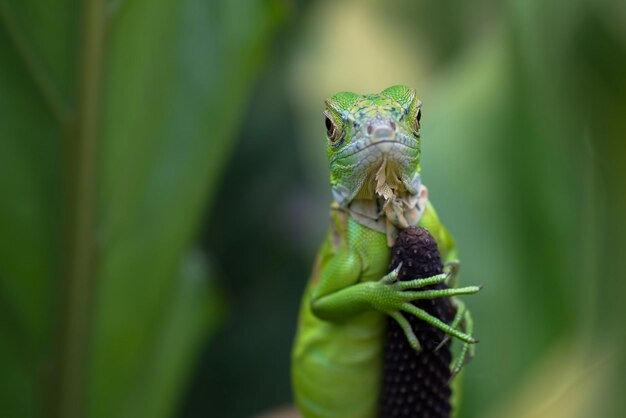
(193, 308)
(115, 121)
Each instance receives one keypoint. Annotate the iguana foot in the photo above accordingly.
(395, 298)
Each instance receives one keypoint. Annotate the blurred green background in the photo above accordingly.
(163, 189)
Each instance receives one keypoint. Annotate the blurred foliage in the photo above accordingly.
(115, 121)
(117, 118)
(524, 158)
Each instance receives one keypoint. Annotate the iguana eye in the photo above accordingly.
(331, 131)
(415, 123)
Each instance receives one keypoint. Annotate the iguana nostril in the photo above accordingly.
(382, 131)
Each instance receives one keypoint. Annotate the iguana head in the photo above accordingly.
(373, 144)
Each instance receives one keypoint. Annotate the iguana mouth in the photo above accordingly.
(365, 144)
(375, 144)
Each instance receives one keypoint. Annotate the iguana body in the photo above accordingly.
(374, 150)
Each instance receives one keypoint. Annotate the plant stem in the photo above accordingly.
(80, 181)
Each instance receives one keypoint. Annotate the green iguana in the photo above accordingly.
(373, 144)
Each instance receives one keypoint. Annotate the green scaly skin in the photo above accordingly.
(338, 351)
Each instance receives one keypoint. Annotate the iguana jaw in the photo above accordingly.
(372, 169)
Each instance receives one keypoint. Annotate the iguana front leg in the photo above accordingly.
(339, 295)
(462, 320)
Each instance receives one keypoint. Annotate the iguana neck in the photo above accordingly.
(389, 215)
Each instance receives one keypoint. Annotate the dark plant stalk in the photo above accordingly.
(417, 385)
(80, 186)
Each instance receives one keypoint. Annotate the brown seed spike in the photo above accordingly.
(417, 384)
